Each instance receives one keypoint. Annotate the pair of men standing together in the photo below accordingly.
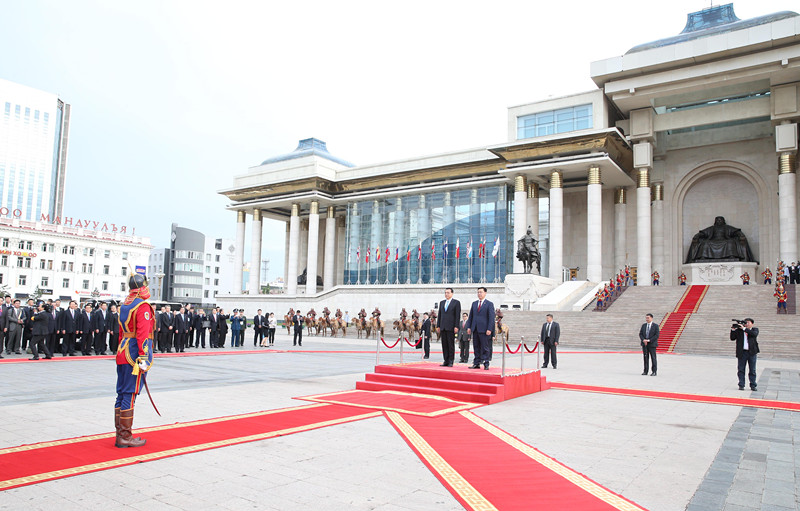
(479, 324)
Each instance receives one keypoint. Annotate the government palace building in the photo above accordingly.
(678, 132)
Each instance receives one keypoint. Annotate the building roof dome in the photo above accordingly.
(715, 20)
(309, 147)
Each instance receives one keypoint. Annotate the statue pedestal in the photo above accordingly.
(716, 274)
(525, 287)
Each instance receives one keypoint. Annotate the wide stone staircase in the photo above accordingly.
(706, 331)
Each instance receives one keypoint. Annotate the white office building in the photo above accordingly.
(34, 131)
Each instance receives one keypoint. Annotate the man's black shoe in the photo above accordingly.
(475, 366)
(741, 387)
(486, 367)
(653, 373)
(34, 358)
(544, 367)
(753, 388)
(644, 373)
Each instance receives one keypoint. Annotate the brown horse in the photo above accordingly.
(360, 327)
(336, 324)
(376, 324)
(501, 330)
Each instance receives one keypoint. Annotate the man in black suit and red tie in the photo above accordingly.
(447, 325)
(551, 331)
(481, 326)
(648, 335)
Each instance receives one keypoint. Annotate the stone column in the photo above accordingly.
(313, 247)
(330, 249)
(294, 250)
(303, 263)
(594, 226)
(658, 229)
(354, 250)
(520, 216)
(375, 243)
(238, 263)
(620, 228)
(255, 254)
(556, 226)
(423, 232)
(400, 240)
(643, 243)
(787, 207)
(449, 214)
(533, 209)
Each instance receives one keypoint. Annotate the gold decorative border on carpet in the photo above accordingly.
(461, 486)
(567, 473)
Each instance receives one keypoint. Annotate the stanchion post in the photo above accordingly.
(403, 341)
(538, 353)
(377, 351)
(522, 354)
(503, 366)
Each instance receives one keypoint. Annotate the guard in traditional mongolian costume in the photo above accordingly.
(134, 356)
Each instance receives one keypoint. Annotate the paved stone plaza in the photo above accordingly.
(663, 455)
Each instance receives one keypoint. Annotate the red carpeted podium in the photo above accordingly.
(459, 382)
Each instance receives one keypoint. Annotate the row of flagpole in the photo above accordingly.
(481, 256)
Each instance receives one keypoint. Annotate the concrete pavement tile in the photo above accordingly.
(743, 498)
(784, 499)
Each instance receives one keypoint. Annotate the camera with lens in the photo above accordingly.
(738, 323)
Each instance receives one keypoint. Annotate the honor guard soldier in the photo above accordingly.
(598, 296)
(767, 276)
(682, 279)
(403, 314)
(745, 278)
(362, 316)
(656, 278)
(376, 313)
(780, 294)
(134, 357)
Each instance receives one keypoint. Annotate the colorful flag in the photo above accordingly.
(480, 249)
(378, 254)
(366, 255)
(433, 250)
(458, 249)
(349, 255)
(419, 251)
(445, 249)
(496, 248)
(469, 248)
(397, 253)
(408, 254)
(388, 252)
(358, 253)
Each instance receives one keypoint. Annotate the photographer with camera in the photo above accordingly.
(746, 337)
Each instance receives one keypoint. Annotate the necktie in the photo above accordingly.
(647, 334)
(480, 302)
(446, 305)
(548, 329)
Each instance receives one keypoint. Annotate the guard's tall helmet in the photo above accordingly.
(136, 281)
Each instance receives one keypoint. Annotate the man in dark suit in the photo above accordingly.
(201, 323)
(746, 350)
(190, 314)
(85, 329)
(258, 328)
(29, 310)
(222, 328)
(181, 330)
(297, 321)
(463, 339)
(447, 326)
(648, 337)
(41, 329)
(425, 333)
(52, 328)
(794, 273)
(112, 324)
(167, 328)
(3, 334)
(213, 332)
(551, 331)
(100, 329)
(481, 326)
(68, 325)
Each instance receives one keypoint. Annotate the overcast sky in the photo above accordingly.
(171, 99)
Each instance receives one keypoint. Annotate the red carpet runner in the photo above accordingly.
(678, 396)
(29, 464)
(390, 400)
(674, 322)
(504, 472)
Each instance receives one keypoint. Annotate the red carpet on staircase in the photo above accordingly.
(503, 472)
(674, 322)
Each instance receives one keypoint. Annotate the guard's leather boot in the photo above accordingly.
(124, 436)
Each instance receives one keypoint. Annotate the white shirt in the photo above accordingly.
(746, 345)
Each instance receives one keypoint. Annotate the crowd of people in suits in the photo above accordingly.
(187, 328)
(47, 327)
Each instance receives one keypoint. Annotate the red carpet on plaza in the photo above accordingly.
(494, 470)
(678, 396)
(30, 464)
(417, 404)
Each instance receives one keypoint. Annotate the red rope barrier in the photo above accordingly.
(415, 344)
(393, 345)
(534, 347)
(515, 351)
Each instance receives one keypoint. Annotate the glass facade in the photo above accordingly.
(563, 120)
(403, 239)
